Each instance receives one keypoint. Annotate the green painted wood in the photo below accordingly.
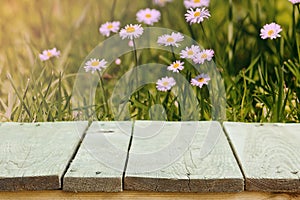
(181, 157)
(100, 161)
(269, 155)
(34, 156)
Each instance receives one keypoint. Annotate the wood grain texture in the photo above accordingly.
(181, 157)
(269, 155)
(34, 156)
(60, 195)
(100, 161)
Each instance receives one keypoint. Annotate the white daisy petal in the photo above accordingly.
(148, 16)
(161, 2)
(131, 31)
(95, 65)
(270, 31)
(190, 52)
(204, 55)
(108, 27)
(170, 40)
(49, 53)
(176, 66)
(294, 1)
(197, 16)
(165, 84)
(196, 3)
(200, 80)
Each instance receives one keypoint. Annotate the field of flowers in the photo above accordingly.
(222, 60)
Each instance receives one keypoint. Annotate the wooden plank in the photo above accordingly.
(100, 161)
(269, 155)
(34, 156)
(168, 157)
(60, 195)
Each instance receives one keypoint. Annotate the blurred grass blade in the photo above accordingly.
(20, 97)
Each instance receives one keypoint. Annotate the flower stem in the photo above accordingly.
(191, 32)
(137, 95)
(135, 59)
(294, 31)
(230, 32)
(278, 49)
(279, 104)
(205, 36)
(113, 9)
(172, 49)
(202, 103)
(103, 94)
(165, 103)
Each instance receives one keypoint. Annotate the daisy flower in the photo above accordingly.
(170, 40)
(270, 31)
(200, 80)
(202, 56)
(196, 3)
(197, 16)
(95, 64)
(131, 31)
(294, 1)
(165, 84)
(108, 27)
(161, 2)
(176, 66)
(190, 52)
(49, 53)
(148, 16)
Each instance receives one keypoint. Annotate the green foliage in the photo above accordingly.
(262, 77)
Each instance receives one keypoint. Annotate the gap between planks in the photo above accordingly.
(100, 160)
(217, 171)
(74, 154)
(228, 140)
(268, 154)
(34, 156)
(232, 147)
(95, 157)
(127, 155)
(234, 154)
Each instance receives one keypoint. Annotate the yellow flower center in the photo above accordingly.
(49, 54)
(190, 52)
(270, 32)
(200, 80)
(170, 39)
(165, 83)
(95, 63)
(176, 65)
(110, 26)
(197, 14)
(204, 56)
(130, 29)
(197, 1)
(148, 15)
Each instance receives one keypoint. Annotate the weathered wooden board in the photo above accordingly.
(269, 155)
(100, 161)
(181, 157)
(34, 156)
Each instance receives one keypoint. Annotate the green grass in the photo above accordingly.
(261, 77)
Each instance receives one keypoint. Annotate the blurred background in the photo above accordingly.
(27, 27)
